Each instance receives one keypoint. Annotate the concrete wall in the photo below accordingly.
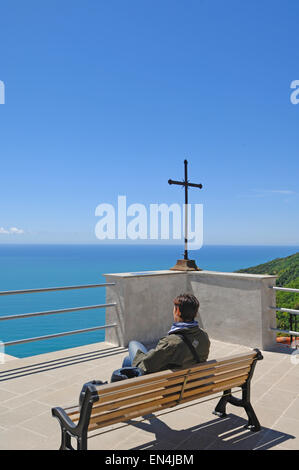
(144, 305)
(234, 307)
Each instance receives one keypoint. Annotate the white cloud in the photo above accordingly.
(12, 230)
(281, 191)
(16, 230)
(268, 192)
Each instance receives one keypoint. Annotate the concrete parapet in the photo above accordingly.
(233, 307)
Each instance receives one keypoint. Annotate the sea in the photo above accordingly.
(40, 266)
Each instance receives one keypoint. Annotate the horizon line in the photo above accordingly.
(141, 244)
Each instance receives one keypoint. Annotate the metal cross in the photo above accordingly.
(186, 184)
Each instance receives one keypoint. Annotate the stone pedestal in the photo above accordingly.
(185, 265)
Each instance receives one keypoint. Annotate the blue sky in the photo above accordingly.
(107, 98)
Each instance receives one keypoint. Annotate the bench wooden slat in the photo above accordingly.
(106, 393)
(135, 399)
(170, 389)
(215, 386)
(170, 396)
(220, 370)
(173, 373)
(156, 388)
(157, 405)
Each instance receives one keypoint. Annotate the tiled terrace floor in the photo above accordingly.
(30, 387)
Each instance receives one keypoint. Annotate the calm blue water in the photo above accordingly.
(34, 266)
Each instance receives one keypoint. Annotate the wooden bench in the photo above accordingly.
(122, 401)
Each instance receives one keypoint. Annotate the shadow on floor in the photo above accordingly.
(58, 363)
(223, 434)
(282, 349)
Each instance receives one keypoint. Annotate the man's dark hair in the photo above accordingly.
(188, 306)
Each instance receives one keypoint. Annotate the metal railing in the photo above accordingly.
(52, 312)
(292, 314)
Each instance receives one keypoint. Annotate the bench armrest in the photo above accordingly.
(259, 355)
(64, 419)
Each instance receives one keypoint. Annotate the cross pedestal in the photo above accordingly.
(185, 265)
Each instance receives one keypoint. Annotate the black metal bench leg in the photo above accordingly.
(82, 442)
(253, 423)
(65, 440)
(220, 409)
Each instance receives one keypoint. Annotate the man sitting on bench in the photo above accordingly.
(185, 344)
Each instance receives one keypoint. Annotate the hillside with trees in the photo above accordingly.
(287, 272)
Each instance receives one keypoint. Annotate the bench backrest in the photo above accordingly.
(128, 399)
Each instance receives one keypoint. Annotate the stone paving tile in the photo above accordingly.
(3, 408)
(14, 417)
(50, 359)
(140, 440)
(172, 423)
(66, 372)
(293, 410)
(278, 447)
(289, 425)
(271, 377)
(274, 399)
(63, 383)
(238, 438)
(112, 439)
(295, 371)
(26, 384)
(92, 375)
(157, 445)
(5, 395)
(52, 443)
(43, 423)
(285, 433)
(288, 383)
(267, 416)
(242, 440)
(66, 397)
(258, 390)
(13, 403)
(17, 438)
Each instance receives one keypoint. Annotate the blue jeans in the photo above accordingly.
(133, 347)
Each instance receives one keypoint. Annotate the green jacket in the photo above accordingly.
(172, 352)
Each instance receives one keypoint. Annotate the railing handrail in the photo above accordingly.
(290, 332)
(286, 289)
(287, 310)
(52, 289)
(56, 335)
(52, 312)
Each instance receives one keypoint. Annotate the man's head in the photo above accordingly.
(185, 307)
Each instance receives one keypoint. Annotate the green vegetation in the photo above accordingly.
(287, 272)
